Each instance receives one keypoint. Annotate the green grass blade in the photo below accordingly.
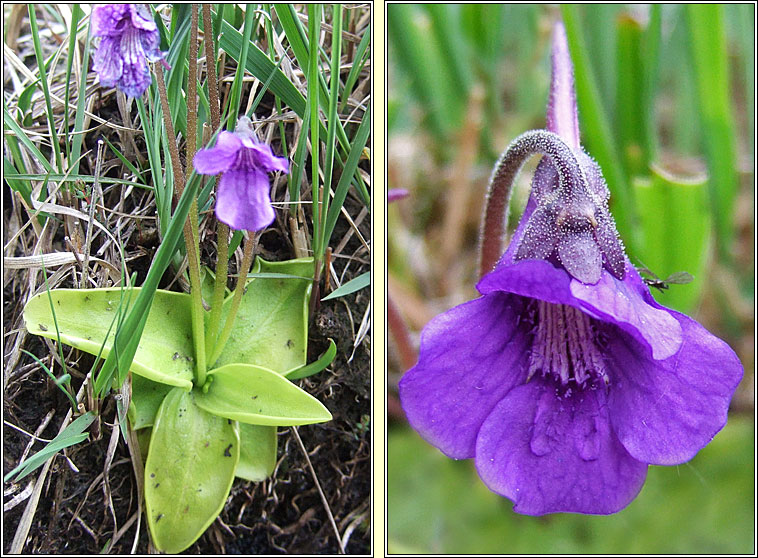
(355, 284)
(78, 139)
(72, 434)
(351, 166)
(233, 108)
(676, 227)
(21, 135)
(17, 184)
(45, 86)
(259, 65)
(314, 21)
(333, 122)
(409, 33)
(630, 100)
(127, 337)
(314, 367)
(710, 59)
(355, 70)
(76, 15)
(58, 381)
(651, 51)
(298, 166)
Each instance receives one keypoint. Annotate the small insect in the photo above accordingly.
(652, 280)
(227, 453)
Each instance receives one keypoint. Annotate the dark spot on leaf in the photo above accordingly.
(290, 344)
(43, 327)
(228, 421)
(227, 453)
(86, 298)
(152, 475)
(157, 519)
(157, 484)
(176, 355)
(255, 397)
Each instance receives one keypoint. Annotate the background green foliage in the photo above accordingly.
(665, 99)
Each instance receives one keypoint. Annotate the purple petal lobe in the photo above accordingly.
(142, 18)
(632, 309)
(243, 200)
(581, 257)
(266, 160)
(665, 411)
(135, 77)
(554, 454)
(220, 157)
(470, 357)
(627, 304)
(107, 62)
(106, 18)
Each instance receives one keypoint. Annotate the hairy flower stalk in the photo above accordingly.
(565, 379)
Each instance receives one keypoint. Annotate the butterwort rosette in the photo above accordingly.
(566, 378)
(129, 39)
(244, 197)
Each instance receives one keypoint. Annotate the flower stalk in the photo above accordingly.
(247, 260)
(190, 237)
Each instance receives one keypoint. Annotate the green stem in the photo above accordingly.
(247, 260)
(190, 237)
(219, 288)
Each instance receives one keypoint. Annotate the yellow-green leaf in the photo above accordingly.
(189, 471)
(257, 395)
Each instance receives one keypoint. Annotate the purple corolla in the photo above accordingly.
(566, 379)
(244, 198)
(129, 40)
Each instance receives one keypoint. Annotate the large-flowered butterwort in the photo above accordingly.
(565, 379)
(129, 40)
(244, 197)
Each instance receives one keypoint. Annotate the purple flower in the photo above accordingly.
(244, 200)
(129, 39)
(565, 379)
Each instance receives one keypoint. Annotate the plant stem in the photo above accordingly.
(222, 230)
(247, 260)
(190, 236)
(192, 89)
(210, 68)
(219, 287)
(314, 22)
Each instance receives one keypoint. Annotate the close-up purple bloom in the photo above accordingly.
(244, 197)
(129, 39)
(565, 379)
